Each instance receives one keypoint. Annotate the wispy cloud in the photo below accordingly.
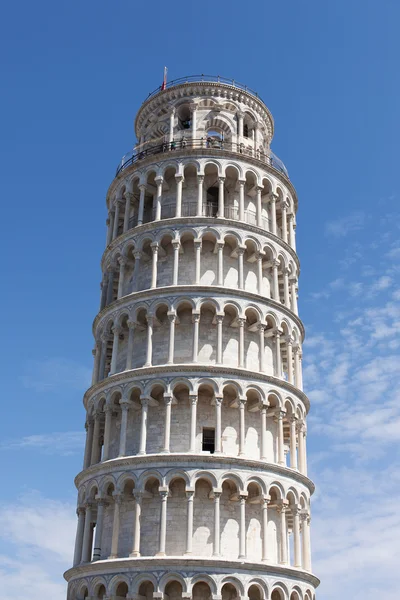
(51, 374)
(345, 225)
(36, 544)
(64, 443)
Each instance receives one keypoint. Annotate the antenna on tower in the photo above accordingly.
(164, 83)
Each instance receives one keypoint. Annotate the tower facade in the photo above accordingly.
(194, 483)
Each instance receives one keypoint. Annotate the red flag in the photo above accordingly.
(164, 83)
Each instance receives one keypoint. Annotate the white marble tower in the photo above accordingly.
(194, 483)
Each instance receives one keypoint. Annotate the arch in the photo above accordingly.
(172, 475)
(235, 581)
(138, 580)
(203, 578)
(116, 582)
(170, 578)
(260, 584)
(148, 476)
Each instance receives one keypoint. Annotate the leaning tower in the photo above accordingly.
(194, 483)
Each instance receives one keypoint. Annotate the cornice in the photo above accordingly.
(214, 565)
(194, 290)
(146, 461)
(202, 153)
(196, 370)
(198, 221)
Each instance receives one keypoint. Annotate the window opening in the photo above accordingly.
(208, 440)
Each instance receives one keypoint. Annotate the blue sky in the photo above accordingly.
(73, 77)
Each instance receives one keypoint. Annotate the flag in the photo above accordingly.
(164, 83)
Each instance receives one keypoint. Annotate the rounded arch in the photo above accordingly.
(177, 474)
(213, 163)
(181, 381)
(260, 585)
(236, 479)
(115, 583)
(279, 592)
(148, 476)
(276, 489)
(106, 482)
(207, 475)
(143, 578)
(258, 481)
(203, 578)
(237, 584)
(124, 479)
(96, 584)
(172, 577)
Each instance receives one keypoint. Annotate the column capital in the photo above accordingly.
(125, 404)
(80, 510)
(171, 316)
(216, 493)
(280, 413)
(219, 317)
(241, 182)
(168, 399)
(116, 329)
(159, 179)
(131, 324)
(273, 197)
(150, 319)
(277, 332)
(242, 321)
(144, 401)
(122, 261)
(218, 400)
(193, 106)
(189, 494)
(289, 340)
(154, 246)
(221, 179)
(240, 250)
(200, 178)
(220, 244)
(193, 398)
(163, 491)
(240, 114)
(176, 244)
(195, 316)
(305, 516)
(117, 498)
(142, 187)
(284, 204)
(282, 506)
(179, 177)
(197, 242)
(243, 496)
(259, 188)
(242, 402)
(137, 254)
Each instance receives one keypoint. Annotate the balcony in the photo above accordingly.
(189, 209)
(203, 144)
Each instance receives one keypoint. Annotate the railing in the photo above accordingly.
(202, 144)
(209, 210)
(205, 78)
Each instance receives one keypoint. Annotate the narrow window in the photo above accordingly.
(245, 130)
(208, 440)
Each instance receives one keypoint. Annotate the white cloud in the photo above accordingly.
(36, 545)
(64, 443)
(52, 374)
(345, 225)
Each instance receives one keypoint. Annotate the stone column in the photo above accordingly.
(104, 340)
(218, 408)
(136, 528)
(124, 426)
(296, 537)
(263, 411)
(159, 182)
(241, 199)
(108, 409)
(217, 536)
(110, 227)
(292, 236)
(200, 182)
(104, 289)
(242, 528)
(149, 351)
(171, 343)
(189, 528)
(289, 347)
(242, 437)
(240, 117)
(154, 248)
(116, 526)
(193, 421)
(284, 221)
(193, 108)
(259, 256)
(142, 189)
(171, 125)
(293, 443)
(121, 280)
(264, 508)
(196, 323)
(220, 246)
(96, 449)
(116, 218)
(306, 545)
(143, 426)
(259, 206)
(275, 280)
(163, 521)
(167, 422)
(127, 214)
(220, 319)
(135, 278)
(89, 426)
(240, 253)
(96, 367)
(293, 296)
(273, 213)
(278, 362)
(297, 377)
(286, 287)
(129, 352)
(87, 535)
(110, 285)
(221, 201)
(242, 321)
(197, 253)
(116, 331)
(302, 448)
(178, 210)
(176, 246)
(99, 529)
(261, 329)
(79, 535)
(281, 449)
(283, 534)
